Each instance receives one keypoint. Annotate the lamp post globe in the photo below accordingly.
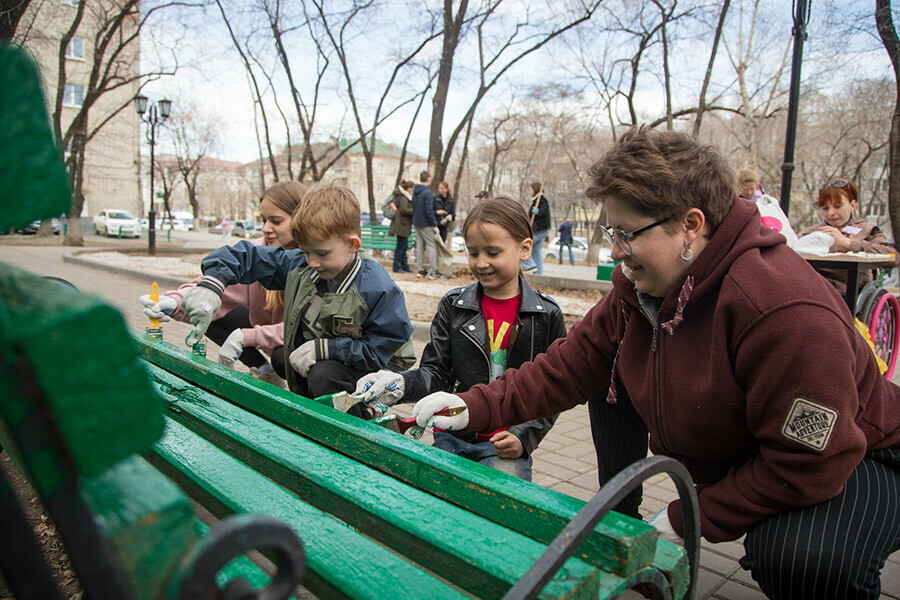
(154, 118)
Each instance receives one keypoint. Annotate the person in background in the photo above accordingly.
(565, 239)
(444, 210)
(739, 360)
(227, 226)
(499, 316)
(401, 225)
(748, 184)
(343, 314)
(838, 199)
(426, 227)
(250, 321)
(540, 208)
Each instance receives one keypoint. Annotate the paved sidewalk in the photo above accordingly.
(564, 462)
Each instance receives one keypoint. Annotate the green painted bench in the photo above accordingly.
(381, 514)
(77, 410)
(375, 237)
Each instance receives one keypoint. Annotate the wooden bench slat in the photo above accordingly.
(340, 562)
(448, 540)
(239, 567)
(104, 409)
(618, 545)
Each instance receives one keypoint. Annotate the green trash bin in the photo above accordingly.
(604, 272)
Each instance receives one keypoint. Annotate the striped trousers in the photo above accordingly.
(832, 550)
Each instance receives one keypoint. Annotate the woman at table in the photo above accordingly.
(739, 360)
(837, 201)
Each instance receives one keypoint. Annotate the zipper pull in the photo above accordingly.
(655, 337)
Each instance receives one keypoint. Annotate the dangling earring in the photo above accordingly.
(687, 255)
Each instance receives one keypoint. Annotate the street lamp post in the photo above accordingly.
(154, 119)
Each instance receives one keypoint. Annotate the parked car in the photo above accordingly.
(185, 217)
(32, 227)
(243, 228)
(163, 224)
(117, 223)
(579, 250)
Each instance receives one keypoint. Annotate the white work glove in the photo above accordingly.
(661, 522)
(384, 386)
(201, 304)
(425, 408)
(159, 309)
(231, 348)
(303, 358)
(436, 230)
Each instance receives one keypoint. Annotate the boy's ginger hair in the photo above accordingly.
(328, 210)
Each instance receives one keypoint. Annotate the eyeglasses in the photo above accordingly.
(837, 183)
(622, 239)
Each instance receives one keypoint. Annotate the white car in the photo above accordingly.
(457, 244)
(579, 250)
(117, 223)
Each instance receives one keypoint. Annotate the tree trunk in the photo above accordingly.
(888, 33)
(452, 30)
(701, 106)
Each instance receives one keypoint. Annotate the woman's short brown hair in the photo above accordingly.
(328, 210)
(664, 174)
(829, 193)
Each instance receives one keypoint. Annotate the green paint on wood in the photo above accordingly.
(481, 556)
(85, 363)
(619, 545)
(32, 175)
(484, 557)
(147, 521)
(341, 562)
(239, 567)
(672, 560)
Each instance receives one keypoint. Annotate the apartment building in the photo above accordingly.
(110, 168)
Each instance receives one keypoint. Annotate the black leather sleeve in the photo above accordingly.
(434, 372)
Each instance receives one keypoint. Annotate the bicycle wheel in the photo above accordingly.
(884, 326)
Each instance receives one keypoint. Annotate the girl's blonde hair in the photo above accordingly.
(504, 212)
(286, 196)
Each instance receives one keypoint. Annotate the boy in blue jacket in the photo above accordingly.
(344, 316)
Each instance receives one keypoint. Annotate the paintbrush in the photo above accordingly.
(342, 401)
(401, 425)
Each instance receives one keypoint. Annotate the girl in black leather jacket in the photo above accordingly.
(479, 331)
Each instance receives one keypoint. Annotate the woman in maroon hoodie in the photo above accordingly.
(739, 360)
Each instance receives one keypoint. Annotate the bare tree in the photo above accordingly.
(339, 34)
(11, 12)
(193, 138)
(888, 33)
(701, 104)
(112, 58)
(496, 57)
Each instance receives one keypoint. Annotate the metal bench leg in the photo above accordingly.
(572, 536)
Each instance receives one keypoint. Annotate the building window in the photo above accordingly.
(75, 49)
(74, 95)
(380, 187)
(381, 167)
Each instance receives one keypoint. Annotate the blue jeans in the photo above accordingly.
(571, 256)
(400, 263)
(485, 453)
(537, 253)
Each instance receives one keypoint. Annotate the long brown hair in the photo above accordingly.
(449, 195)
(286, 196)
(504, 212)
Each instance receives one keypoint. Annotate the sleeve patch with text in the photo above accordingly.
(809, 424)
